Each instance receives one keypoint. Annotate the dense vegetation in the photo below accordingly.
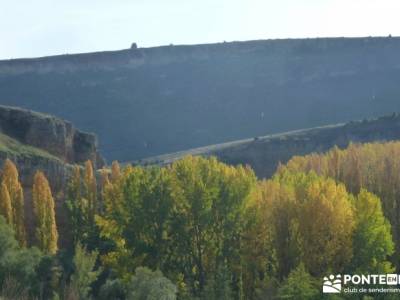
(200, 229)
(178, 97)
(375, 167)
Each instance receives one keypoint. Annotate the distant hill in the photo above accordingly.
(264, 153)
(149, 101)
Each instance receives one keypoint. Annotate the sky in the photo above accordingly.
(32, 28)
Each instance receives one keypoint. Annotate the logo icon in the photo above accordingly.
(332, 284)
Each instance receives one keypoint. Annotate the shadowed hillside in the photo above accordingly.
(264, 153)
(149, 101)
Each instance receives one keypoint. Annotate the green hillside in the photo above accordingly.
(12, 147)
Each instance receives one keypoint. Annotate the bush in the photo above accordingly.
(148, 285)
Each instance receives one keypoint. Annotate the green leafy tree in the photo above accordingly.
(17, 262)
(148, 285)
(50, 275)
(77, 207)
(112, 289)
(82, 205)
(84, 271)
(90, 187)
(299, 285)
(138, 213)
(211, 199)
(218, 286)
(372, 237)
(185, 220)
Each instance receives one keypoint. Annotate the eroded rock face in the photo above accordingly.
(58, 137)
(57, 146)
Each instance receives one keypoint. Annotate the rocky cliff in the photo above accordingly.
(264, 153)
(35, 141)
(53, 135)
(150, 101)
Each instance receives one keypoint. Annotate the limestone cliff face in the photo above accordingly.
(55, 136)
(35, 141)
(264, 153)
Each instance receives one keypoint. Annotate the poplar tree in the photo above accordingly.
(374, 167)
(11, 180)
(115, 171)
(90, 191)
(372, 240)
(43, 204)
(5, 204)
(77, 206)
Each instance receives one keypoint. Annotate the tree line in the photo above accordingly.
(200, 229)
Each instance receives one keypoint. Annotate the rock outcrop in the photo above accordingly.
(53, 135)
(35, 141)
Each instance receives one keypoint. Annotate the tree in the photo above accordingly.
(299, 285)
(17, 262)
(45, 220)
(374, 167)
(185, 220)
(138, 213)
(90, 191)
(372, 237)
(112, 289)
(218, 286)
(148, 285)
(84, 271)
(210, 198)
(11, 181)
(258, 253)
(115, 172)
(82, 204)
(5, 204)
(77, 207)
(325, 226)
(310, 219)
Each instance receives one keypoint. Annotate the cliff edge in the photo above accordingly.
(50, 134)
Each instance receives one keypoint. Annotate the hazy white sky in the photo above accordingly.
(30, 28)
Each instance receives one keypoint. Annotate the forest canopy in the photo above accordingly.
(200, 229)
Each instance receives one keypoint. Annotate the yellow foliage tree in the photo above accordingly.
(43, 205)
(91, 190)
(11, 180)
(374, 167)
(5, 204)
(115, 172)
(297, 218)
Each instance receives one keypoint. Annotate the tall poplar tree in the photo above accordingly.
(5, 204)
(115, 171)
(90, 191)
(43, 204)
(10, 179)
(77, 206)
